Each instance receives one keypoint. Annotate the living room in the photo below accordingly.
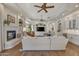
(39, 29)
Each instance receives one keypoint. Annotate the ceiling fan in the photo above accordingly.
(44, 7)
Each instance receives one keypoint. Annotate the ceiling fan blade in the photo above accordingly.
(37, 6)
(40, 10)
(50, 7)
(45, 10)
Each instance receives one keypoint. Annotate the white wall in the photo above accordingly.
(72, 37)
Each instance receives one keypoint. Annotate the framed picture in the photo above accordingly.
(11, 18)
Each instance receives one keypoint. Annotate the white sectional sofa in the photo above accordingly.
(44, 43)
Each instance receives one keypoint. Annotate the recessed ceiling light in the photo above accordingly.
(76, 6)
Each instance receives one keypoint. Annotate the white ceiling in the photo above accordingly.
(30, 11)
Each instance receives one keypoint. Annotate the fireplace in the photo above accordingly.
(11, 35)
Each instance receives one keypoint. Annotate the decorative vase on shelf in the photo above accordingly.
(20, 22)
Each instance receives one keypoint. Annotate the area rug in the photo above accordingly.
(35, 53)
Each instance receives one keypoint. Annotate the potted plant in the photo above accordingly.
(6, 22)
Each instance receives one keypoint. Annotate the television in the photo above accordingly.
(40, 29)
(11, 35)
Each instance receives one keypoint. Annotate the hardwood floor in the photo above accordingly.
(71, 50)
(14, 51)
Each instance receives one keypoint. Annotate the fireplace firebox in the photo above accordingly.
(11, 35)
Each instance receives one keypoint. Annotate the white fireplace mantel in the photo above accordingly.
(11, 43)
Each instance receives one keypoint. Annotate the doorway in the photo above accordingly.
(1, 26)
(0, 33)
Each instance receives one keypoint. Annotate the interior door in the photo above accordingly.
(0, 27)
(0, 34)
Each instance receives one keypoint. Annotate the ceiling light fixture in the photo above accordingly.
(41, 18)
